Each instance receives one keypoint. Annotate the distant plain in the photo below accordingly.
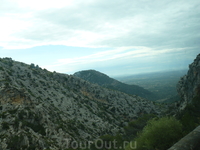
(162, 84)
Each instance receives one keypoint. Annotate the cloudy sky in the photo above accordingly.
(115, 37)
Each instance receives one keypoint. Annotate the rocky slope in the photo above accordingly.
(41, 109)
(103, 80)
(189, 85)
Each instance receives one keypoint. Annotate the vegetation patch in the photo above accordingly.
(159, 134)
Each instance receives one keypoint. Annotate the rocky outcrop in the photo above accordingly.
(41, 109)
(189, 85)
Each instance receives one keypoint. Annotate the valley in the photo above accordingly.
(162, 84)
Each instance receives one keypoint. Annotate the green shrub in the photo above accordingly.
(159, 134)
(5, 125)
(137, 125)
(37, 127)
(14, 141)
(1, 68)
(13, 111)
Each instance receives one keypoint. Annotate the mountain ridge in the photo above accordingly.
(104, 80)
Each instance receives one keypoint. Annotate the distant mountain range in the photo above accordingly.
(105, 81)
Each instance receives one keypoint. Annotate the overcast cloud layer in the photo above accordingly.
(136, 27)
(97, 23)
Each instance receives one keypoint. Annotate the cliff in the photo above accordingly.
(189, 86)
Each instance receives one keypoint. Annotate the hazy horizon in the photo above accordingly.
(113, 37)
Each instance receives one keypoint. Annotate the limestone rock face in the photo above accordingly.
(189, 85)
(41, 109)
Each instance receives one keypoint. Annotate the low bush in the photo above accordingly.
(159, 134)
(137, 125)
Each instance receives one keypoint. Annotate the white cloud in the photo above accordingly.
(137, 33)
(98, 23)
(42, 4)
(118, 56)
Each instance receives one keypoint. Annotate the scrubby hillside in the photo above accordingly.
(41, 109)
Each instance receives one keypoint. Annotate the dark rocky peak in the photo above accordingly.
(94, 76)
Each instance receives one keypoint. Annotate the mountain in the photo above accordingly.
(41, 109)
(103, 80)
(189, 85)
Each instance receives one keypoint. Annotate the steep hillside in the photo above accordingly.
(189, 85)
(107, 82)
(41, 109)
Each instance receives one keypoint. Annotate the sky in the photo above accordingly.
(119, 37)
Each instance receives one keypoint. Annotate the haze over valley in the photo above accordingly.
(163, 84)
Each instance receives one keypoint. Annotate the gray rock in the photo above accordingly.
(189, 85)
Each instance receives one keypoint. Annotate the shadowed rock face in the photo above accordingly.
(42, 109)
(189, 85)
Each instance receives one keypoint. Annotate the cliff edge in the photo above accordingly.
(189, 85)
